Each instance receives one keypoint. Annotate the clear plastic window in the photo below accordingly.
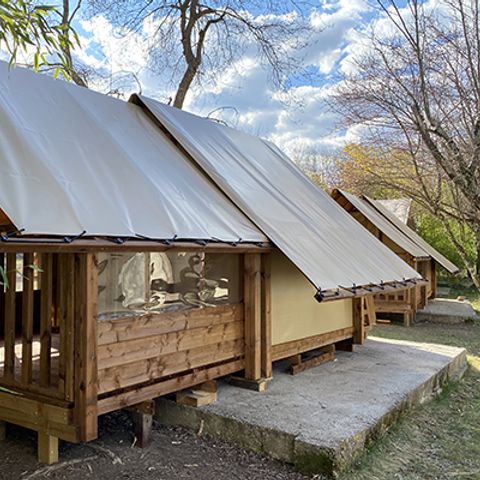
(138, 283)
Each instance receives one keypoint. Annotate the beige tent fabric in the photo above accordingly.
(414, 237)
(72, 160)
(315, 233)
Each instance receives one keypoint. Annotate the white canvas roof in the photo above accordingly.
(311, 229)
(414, 236)
(386, 227)
(72, 160)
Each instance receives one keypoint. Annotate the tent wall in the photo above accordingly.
(298, 317)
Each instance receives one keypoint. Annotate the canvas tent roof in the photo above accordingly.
(72, 160)
(413, 236)
(318, 236)
(400, 207)
(385, 226)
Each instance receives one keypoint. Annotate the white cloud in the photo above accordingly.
(242, 94)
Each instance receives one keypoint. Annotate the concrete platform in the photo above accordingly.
(322, 419)
(446, 310)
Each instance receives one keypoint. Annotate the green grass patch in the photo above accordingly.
(439, 440)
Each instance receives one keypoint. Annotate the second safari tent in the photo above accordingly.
(405, 243)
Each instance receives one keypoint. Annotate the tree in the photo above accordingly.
(415, 88)
(28, 27)
(193, 39)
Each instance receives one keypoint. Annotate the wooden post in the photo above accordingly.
(47, 449)
(253, 314)
(407, 316)
(358, 324)
(65, 317)
(27, 318)
(86, 345)
(10, 317)
(433, 279)
(142, 417)
(46, 292)
(266, 329)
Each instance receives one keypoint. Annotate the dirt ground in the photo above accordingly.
(173, 454)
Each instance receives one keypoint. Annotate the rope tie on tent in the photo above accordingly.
(203, 243)
(380, 285)
(167, 241)
(117, 240)
(232, 243)
(6, 237)
(76, 237)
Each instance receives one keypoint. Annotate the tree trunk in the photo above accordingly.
(184, 85)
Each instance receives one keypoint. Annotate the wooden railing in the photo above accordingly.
(37, 316)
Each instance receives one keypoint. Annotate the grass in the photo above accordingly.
(439, 440)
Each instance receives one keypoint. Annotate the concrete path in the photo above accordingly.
(321, 419)
(446, 310)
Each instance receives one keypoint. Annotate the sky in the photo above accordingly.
(297, 119)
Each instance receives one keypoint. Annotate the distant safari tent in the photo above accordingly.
(147, 251)
(405, 243)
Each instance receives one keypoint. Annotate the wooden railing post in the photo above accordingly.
(86, 345)
(253, 315)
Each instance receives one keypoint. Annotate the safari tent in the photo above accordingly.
(146, 251)
(405, 243)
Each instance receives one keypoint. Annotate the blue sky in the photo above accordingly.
(297, 120)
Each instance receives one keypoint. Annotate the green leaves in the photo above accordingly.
(30, 28)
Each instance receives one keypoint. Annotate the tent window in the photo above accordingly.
(139, 283)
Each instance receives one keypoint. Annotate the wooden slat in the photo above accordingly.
(288, 349)
(46, 319)
(86, 283)
(65, 316)
(121, 353)
(123, 376)
(10, 296)
(266, 329)
(155, 324)
(27, 318)
(253, 315)
(166, 386)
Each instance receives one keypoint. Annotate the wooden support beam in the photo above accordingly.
(47, 449)
(345, 345)
(253, 315)
(86, 415)
(327, 354)
(258, 385)
(142, 418)
(358, 323)
(266, 327)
